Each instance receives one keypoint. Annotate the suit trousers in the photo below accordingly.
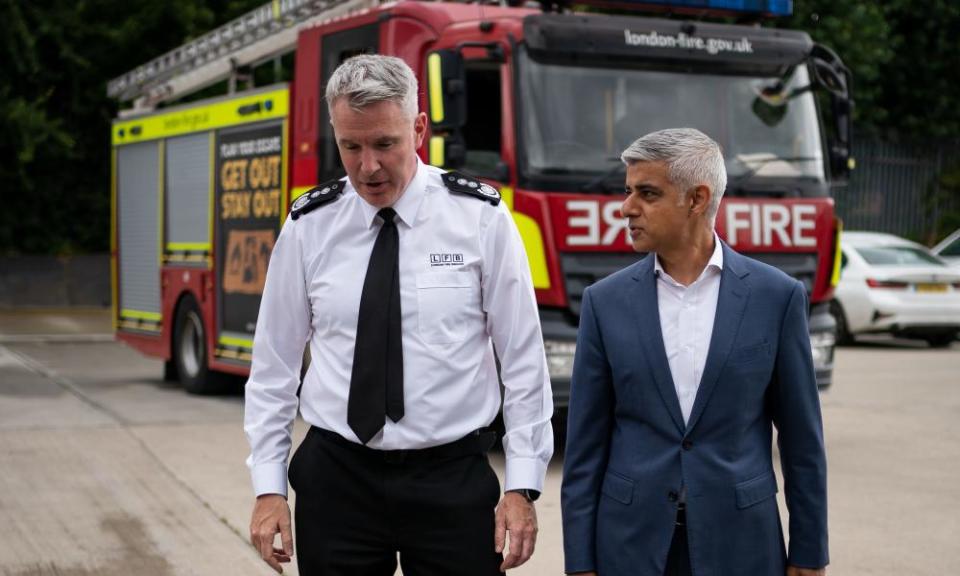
(358, 509)
(678, 559)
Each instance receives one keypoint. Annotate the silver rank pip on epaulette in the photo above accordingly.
(316, 197)
(461, 184)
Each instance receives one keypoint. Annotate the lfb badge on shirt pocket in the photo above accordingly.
(447, 301)
(446, 260)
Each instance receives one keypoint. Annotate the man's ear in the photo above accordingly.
(419, 129)
(699, 199)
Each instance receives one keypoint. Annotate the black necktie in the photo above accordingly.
(376, 384)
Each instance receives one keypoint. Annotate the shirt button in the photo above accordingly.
(673, 496)
(687, 444)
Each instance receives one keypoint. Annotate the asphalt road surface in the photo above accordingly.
(105, 469)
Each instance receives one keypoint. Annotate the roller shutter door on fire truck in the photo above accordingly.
(188, 194)
(138, 198)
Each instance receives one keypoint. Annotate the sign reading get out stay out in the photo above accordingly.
(249, 203)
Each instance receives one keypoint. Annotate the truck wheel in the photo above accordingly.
(844, 337)
(170, 371)
(940, 340)
(190, 351)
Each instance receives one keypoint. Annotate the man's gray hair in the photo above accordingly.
(692, 159)
(370, 78)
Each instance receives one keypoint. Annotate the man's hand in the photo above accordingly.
(794, 571)
(271, 515)
(517, 516)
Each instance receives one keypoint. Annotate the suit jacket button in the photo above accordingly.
(687, 444)
(673, 496)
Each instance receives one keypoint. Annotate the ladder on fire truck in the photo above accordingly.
(258, 36)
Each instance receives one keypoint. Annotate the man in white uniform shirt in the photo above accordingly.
(403, 279)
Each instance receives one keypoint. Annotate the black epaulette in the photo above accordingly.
(456, 182)
(316, 197)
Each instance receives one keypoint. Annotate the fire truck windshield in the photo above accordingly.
(577, 119)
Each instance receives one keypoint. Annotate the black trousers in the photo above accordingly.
(358, 509)
(678, 559)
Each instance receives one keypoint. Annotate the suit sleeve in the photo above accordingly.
(796, 414)
(588, 442)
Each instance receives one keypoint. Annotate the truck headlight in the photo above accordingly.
(822, 345)
(560, 358)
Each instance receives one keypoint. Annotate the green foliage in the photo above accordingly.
(55, 115)
(859, 32)
(919, 85)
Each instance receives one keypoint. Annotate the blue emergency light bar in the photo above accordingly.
(765, 7)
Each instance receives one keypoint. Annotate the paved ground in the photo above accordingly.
(105, 469)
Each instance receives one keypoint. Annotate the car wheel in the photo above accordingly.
(844, 337)
(940, 340)
(190, 351)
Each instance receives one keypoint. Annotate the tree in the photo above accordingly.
(918, 87)
(55, 114)
(859, 33)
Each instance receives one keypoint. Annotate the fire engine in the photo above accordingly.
(537, 101)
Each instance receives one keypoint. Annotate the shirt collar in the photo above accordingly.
(715, 262)
(409, 203)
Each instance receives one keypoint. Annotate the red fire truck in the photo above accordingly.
(538, 103)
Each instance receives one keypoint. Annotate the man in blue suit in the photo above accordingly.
(685, 362)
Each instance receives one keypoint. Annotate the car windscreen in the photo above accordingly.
(898, 256)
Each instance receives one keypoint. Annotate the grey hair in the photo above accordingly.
(370, 78)
(692, 159)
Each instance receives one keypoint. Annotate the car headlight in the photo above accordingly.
(822, 345)
(560, 358)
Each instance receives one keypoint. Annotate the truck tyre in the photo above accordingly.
(190, 351)
(844, 337)
(170, 371)
(941, 340)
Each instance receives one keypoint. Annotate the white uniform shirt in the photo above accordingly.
(686, 322)
(464, 285)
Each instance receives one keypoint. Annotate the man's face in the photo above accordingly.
(378, 148)
(658, 219)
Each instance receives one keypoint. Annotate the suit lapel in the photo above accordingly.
(732, 300)
(647, 318)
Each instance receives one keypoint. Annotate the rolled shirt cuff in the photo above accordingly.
(524, 473)
(269, 478)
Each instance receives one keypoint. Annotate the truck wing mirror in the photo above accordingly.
(830, 73)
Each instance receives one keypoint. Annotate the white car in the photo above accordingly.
(889, 284)
(949, 248)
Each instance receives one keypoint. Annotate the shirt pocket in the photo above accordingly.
(444, 301)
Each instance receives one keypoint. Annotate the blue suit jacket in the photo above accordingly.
(628, 450)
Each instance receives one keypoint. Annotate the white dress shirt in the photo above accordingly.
(686, 322)
(465, 287)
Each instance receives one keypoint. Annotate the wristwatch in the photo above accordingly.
(530, 495)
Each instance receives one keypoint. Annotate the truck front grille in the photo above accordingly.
(581, 269)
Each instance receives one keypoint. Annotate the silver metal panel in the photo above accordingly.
(138, 204)
(187, 164)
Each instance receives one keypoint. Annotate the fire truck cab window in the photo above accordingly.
(482, 132)
(577, 119)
